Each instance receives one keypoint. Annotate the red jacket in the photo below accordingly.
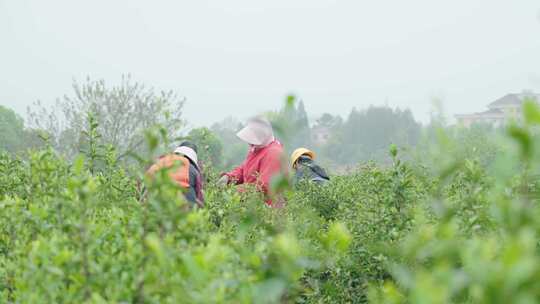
(259, 167)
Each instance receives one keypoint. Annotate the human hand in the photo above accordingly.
(223, 181)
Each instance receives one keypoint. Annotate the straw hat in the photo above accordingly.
(299, 152)
(258, 132)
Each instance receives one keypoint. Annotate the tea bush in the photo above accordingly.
(86, 231)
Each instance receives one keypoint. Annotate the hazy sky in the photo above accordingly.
(238, 57)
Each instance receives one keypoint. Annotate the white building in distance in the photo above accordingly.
(500, 112)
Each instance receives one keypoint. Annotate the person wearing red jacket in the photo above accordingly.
(264, 159)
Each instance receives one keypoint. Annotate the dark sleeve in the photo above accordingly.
(318, 170)
(298, 174)
(191, 193)
(199, 184)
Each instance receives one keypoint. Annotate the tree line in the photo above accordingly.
(124, 111)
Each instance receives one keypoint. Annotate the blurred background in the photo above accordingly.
(390, 67)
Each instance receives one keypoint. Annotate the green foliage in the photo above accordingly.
(14, 137)
(76, 232)
(210, 147)
(459, 225)
(291, 124)
(479, 245)
(11, 130)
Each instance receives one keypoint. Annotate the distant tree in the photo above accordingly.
(234, 150)
(291, 124)
(123, 112)
(227, 129)
(329, 121)
(437, 115)
(209, 146)
(354, 144)
(367, 134)
(302, 129)
(35, 139)
(302, 120)
(328, 134)
(11, 130)
(14, 137)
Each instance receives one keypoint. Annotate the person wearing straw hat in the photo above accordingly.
(305, 168)
(186, 174)
(263, 160)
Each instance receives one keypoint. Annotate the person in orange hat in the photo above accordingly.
(305, 168)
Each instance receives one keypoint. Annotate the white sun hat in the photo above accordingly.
(189, 153)
(258, 132)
